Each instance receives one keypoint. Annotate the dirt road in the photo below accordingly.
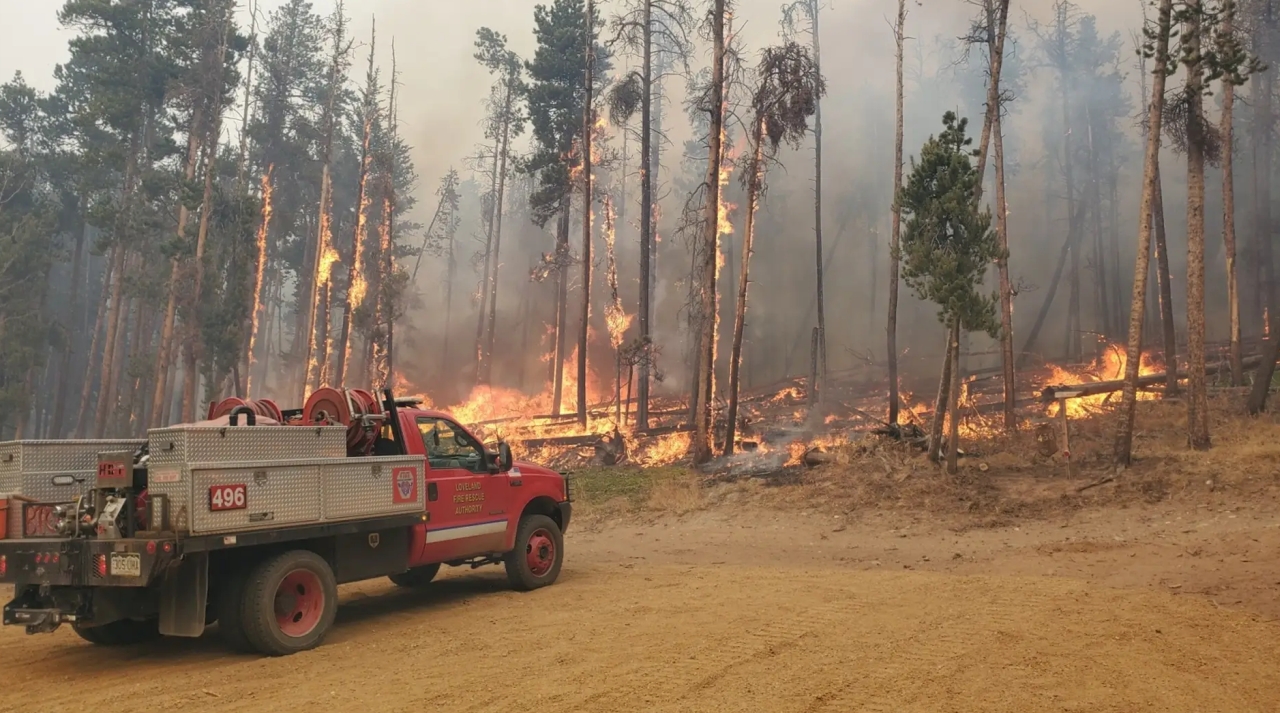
(738, 612)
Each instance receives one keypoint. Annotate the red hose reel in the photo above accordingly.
(356, 409)
(265, 408)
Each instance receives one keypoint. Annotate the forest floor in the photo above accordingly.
(873, 583)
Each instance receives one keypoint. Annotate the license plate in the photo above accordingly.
(228, 497)
(126, 564)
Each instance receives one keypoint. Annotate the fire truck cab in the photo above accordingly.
(252, 524)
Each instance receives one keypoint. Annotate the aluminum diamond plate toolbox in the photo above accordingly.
(250, 496)
(364, 487)
(173, 450)
(28, 467)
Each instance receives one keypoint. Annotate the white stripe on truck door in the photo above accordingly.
(445, 534)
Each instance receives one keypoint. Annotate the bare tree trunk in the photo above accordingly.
(497, 235)
(490, 221)
(106, 388)
(1073, 229)
(1198, 399)
(1146, 213)
(701, 444)
(646, 216)
(895, 230)
(1264, 134)
(1229, 212)
(587, 200)
(755, 182)
(1165, 288)
(817, 204)
(562, 298)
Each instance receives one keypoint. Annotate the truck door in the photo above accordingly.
(467, 516)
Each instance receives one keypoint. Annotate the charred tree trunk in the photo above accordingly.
(646, 215)
(754, 184)
(194, 345)
(943, 400)
(321, 257)
(1146, 213)
(953, 437)
(258, 311)
(355, 268)
(709, 252)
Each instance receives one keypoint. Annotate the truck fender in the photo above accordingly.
(541, 505)
(184, 595)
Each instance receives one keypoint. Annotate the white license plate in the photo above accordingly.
(126, 565)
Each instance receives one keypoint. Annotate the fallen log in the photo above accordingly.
(1055, 392)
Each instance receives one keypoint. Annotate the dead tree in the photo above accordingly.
(789, 88)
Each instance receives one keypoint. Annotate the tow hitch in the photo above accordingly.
(37, 621)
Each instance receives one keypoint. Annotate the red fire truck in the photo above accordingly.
(252, 518)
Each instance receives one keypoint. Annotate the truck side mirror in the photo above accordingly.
(505, 459)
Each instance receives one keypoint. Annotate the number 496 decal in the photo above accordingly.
(227, 497)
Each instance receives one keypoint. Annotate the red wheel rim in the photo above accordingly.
(540, 552)
(299, 603)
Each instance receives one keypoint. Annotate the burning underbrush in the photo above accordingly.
(782, 438)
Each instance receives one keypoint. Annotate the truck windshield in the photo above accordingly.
(448, 446)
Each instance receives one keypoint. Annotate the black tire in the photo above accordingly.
(521, 571)
(230, 609)
(122, 632)
(417, 576)
(309, 605)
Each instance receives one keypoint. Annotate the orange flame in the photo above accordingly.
(615, 316)
(263, 228)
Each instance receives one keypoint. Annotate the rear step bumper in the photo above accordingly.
(37, 621)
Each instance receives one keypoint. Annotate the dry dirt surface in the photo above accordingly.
(749, 610)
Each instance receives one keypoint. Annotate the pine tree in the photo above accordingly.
(947, 247)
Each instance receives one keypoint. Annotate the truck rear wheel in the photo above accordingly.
(230, 608)
(416, 576)
(539, 551)
(289, 603)
(122, 632)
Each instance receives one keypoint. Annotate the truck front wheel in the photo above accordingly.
(122, 632)
(290, 601)
(539, 552)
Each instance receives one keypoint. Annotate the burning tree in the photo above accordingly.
(947, 244)
(786, 96)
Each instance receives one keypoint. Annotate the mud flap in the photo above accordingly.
(184, 595)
